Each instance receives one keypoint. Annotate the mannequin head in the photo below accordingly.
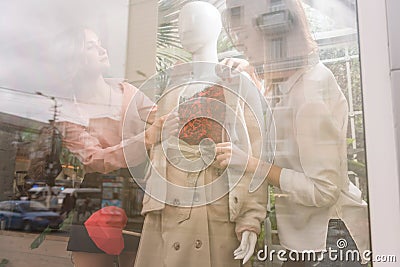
(271, 31)
(199, 26)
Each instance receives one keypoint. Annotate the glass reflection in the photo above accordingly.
(303, 57)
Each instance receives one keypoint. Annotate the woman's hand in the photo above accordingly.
(168, 123)
(151, 118)
(235, 66)
(230, 154)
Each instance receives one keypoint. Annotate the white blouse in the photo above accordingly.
(311, 124)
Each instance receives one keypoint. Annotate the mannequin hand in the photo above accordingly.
(246, 248)
(168, 123)
(230, 154)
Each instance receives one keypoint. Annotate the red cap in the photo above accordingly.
(105, 229)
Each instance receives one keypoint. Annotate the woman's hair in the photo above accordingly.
(243, 26)
(66, 52)
(301, 24)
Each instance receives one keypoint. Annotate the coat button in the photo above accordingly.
(193, 175)
(177, 246)
(196, 197)
(176, 160)
(235, 200)
(176, 202)
(198, 244)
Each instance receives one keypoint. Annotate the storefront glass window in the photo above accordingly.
(209, 132)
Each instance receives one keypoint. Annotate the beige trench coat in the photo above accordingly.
(205, 235)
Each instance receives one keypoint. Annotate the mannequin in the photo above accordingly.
(205, 235)
(201, 41)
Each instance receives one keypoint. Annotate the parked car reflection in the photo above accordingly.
(27, 215)
(45, 195)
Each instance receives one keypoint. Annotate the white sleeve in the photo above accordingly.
(320, 144)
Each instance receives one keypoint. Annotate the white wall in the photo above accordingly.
(382, 159)
(142, 40)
